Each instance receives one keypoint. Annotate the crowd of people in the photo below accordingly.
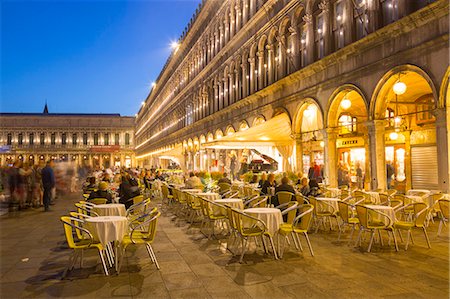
(35, 185)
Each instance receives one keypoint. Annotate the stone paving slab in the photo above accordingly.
(34, 255)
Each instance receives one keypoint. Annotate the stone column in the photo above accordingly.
(231, 88)
(261, 71)
(238, 16)
(327, 34)
(220, 94)
(221, 37)
(443, 153)
(232, 23)
(252, 7)
(281, 59)
(373, 16)
(377, 154)
(252, 75)
(216, 99)
(348, 22)
(244, 80)
(237, 87)
(330, 156)
(270, 64)
(307, 18)
(245, 10)
(295, 49)
(299, 153)
(225, 91)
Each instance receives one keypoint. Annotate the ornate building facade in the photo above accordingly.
(95, 140)
(350, 84)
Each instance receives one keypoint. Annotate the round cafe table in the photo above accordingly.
(192, 190)
(232, 202)
(107, 229)
(112, 209)
(332, 204)
(208, 195)
(270, 216)
(389, 211)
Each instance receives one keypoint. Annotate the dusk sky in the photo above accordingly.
(85, 56)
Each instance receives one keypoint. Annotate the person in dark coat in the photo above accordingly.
(48, 183)
(102, 192)
(127, 190)
(285, 187)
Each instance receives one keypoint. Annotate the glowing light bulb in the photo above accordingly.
(393, 136)
(346, 103)
(399, 88)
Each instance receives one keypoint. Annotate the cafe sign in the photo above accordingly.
(350, 142)
(105, 148)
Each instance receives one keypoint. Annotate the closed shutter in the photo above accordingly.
(424, 167)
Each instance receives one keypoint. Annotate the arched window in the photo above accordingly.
(31, 139)
(319, 36)
(361, 19)
(338, 25)
(389, 9)
(347, 124)
(189, 115)
(20, 139)
(127, 138)
(9, 139)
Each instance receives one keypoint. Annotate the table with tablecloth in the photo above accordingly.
(208, 195)
(329, 204)
(113, 209)
(374, 196)
(192, 190)
(271, 217)
(106, 229)
(387, 210)
(236, 203)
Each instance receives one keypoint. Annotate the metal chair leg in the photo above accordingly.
(309, 243)
(103, 262)
(426, 237)
(371, 241)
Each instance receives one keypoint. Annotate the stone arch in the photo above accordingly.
(243, 125)
(357, 98)
(444, 93)
(300, 113)
(407, 72)
(230, 130)
(259, 119)
(218, 134)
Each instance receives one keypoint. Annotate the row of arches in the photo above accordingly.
(307, 33)
(395, 126)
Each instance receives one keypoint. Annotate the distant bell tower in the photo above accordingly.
(45, 109)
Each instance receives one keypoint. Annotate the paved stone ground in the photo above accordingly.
(34, 255)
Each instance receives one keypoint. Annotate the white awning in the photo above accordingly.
(275, 131)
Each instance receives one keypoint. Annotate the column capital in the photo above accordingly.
(324, 5)
(307, 18)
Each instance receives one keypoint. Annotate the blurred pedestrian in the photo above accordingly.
(48, 183)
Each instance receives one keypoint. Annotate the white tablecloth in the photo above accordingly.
(334, 191)
(389, 211)
(270, 216)
(113, 209)
(208, 195)
(330, 201)
(419, 192)
(233, 202)
(414, 198)
(374, 196)
(107, 229)
(192, 190)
